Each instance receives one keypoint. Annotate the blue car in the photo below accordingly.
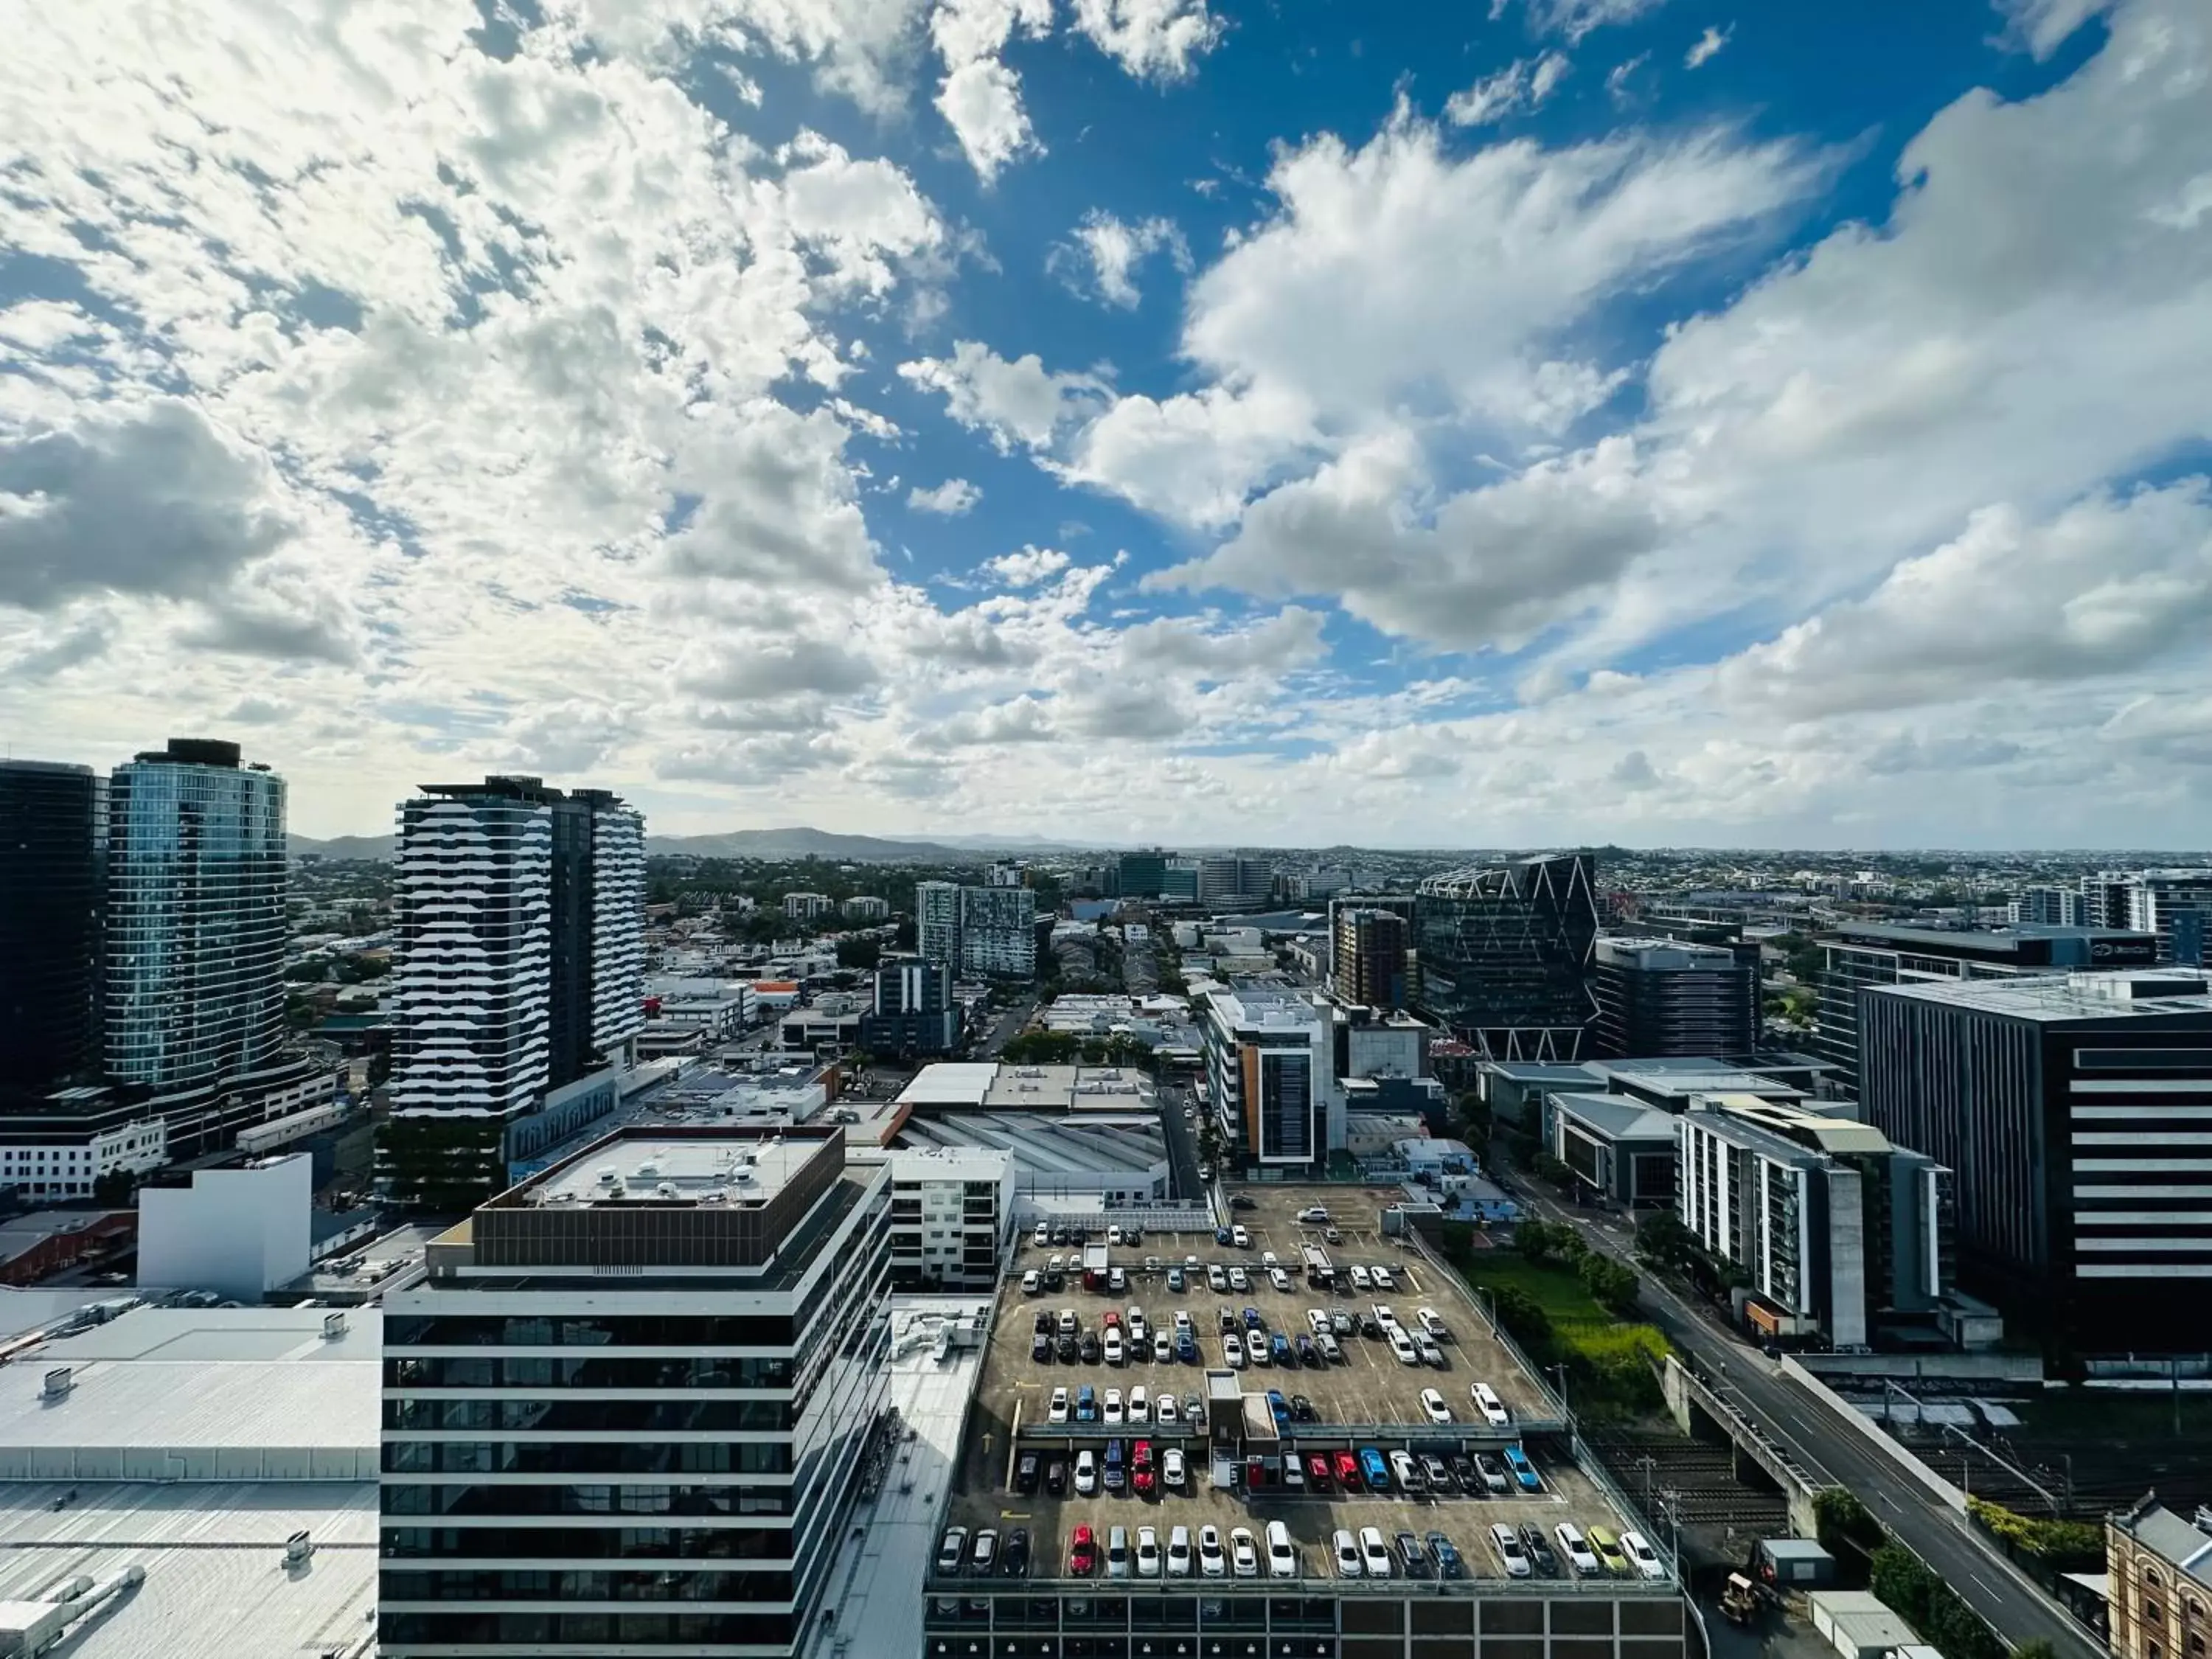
(1252, 1320)
(1523, 1471)
(1221, 1235)
(1280, 1346)
(1281, 1408)
(1374, 1470)
(1187, 1351)
(1175, 1278)
(1086, 1404)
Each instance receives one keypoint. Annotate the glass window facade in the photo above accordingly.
(1506, 954)
(52, 831)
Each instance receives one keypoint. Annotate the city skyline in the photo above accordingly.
(1560, 423)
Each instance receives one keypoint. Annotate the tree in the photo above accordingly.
(1536, 1240)
(1523, 1317)
(861, 953)
(1553, 1171)
(1612, 1283)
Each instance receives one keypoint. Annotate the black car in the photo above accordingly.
(1014, 1554)
(1040, 1347)
(1238, 1201)
(1342, 1322)
(1066, 1349)
(1055, 1281)
(1411, 1557)
(1370, 1328)
(1090, 1347)
(1043, 1322)
(1025, 1474)
(1060, 1235)
(1542, 1561)
(1303, 1409)
(1462, 1470)
(1448, 1563)
(1307, 1354)
(1055, 1476)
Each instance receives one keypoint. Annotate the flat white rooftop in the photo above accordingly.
(951, 1083)
(742, 1168)
(199, 1394)
(216, 1584)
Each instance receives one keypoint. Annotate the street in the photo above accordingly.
(1006, 1027)
(1808, 1428)
(1182, 1140)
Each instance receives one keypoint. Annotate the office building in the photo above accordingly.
(953, 1216)
(1371, 957)
(193, 989)
(1268, 1061)
(2158, 1582)
(807, 907)
(913, 1014)
(1658, 997)
(1232, 881)
(1179, 882)
(1864, 954)
(988, 932)
(866, 906)
(1140, 875)
(2177, 906)
(1838, 1229)
(518, 911)
(53, 833)
(1620, 1150)
(2053, 906)
(683, 1482)
(2073, 1112)
(1505, 955)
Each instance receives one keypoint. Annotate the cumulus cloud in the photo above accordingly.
(950, 500)
(981, 97)
(2041, 26)
(1027, 567)
(1153, 39)
(1019, 402)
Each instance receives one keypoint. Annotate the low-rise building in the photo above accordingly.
(240, 1233)
(2158, 1582)
(953, 1216)
(1620, 1150)
(805, 907)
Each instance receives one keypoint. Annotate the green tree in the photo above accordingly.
(1523, 1317)
(1536, 1240)
(1662, 1240)
(861, 953)
(1611, 1284)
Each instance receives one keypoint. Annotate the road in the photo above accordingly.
(1182, 1141)
(1827, 1447)
(1007, 1027)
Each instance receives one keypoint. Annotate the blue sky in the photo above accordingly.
(1524, 422)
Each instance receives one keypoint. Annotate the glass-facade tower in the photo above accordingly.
(1505, 957)
(195, 925)
(53, 835)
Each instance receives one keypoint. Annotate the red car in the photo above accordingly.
(1317, 1472)
(1255, 1474)
(1141, 1469)
(1113, 1318)
(1083, 1553)
(1347, 1471)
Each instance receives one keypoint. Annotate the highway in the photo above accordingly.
(1829, 1449)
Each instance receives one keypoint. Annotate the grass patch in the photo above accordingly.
(1610, 1361)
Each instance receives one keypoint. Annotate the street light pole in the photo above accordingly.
(1558, 1374)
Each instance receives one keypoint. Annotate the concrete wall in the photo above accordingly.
(236, 1232)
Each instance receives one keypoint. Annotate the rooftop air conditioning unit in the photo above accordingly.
(665, 1189)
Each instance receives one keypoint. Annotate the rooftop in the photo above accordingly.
(2145, 992)
(951, 1083)
(737, 1168)
(2157, 1528)
(1046, 1146)
(1616, 1117)
(1818, 1130)
(217, 1584)
(1263, 1007)
(1679, 1078)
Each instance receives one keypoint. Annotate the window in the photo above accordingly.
(2151, 1613)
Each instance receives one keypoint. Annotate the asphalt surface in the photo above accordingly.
(1808, 1428)
(1008, 1028)
(1182, 1141)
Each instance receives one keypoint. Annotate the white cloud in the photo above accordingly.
(1707, 46)
(2044, 26)
(1027, 567)
(1016, 402)
(950, 499)
(981, 98)
(1618, 78)
(1113, 250)
(1153, 39)
(1523, 86)
(1576, 18)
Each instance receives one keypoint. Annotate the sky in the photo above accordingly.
(1518, 422)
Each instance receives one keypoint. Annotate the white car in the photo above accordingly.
(1487, 1402)
(1638, 1550)
(1136, 1321)
(1086, 1473)
(1317, 1320)
(1431, 1354)
(1269, 1258)
(1212, 1563)
(1511, 1555)
(1165, 1412)
(1059, 1411)
(1032, 1282)
(1113, 1235)
(1382, 1276)
(1182, 1321)
(1406, 1472)
(1361, 1278)
(1279, 1279)
(1232, 1352)
(1432, 1322)
(1172, 1470)
(1402, 1345)
(1043, 1236)
(1385, 1315)
(1117, 1554)
(1433, 1404)
(1240, 1237)
(1115, 1352)
(1141, 1405)
(1330, 1349)
(1243, 1554)
(1112, 1408)
(1179, 1553)
(1345, 1550)
(1239, 1280)
(1148, 1552)
(1576, 1548)
(1282, 1555)
(1163, 1349)
(1374, 1552)
(1190, 1113)
(1215, 1278)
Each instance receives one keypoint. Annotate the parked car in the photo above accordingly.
(1374, 1552)
(1641, 1556)
(1232, 1352)
(1436, 1472)
(1546, 1563)
(952, 1552)
(1086, 1473)
(1348, 1470)
(1213, 1562)
(1402, 1345)
(1055, 1477)
(1172, 1470)
(1373, 1470)
(1148, 1552)
(1431, 1354)
(1610, 1555)
(1057, 1412)
(1179, 1553)
(1506, 1543)
(1575, 1550)
(1166, 1412)
(1014, 1558)
(1413, 1560)
(1026, 1471)
(1083, 1553)
(984, 1554)
(1523, 1471)
(1493, 1477)
(1317, 1471)
(1113, 1416)
(1086, 1404)
(1432, 1403)
(1406, 1472)
(1361, 1278)
(1141, 1405)
(1282, 1554)
(1382, 1277)
(1303, 1409)
(1331, 1350)
(1117, 1553)
(1175, 1279)
(1141, 1472)
(1243, 1553)
(1032, 1282)
(1448, 1563)
(1433, 1323)
(1487, 1402)
(1344, 1549)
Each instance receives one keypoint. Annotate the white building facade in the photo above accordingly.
(239, 1233)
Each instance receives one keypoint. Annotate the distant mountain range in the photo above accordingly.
(793, 843)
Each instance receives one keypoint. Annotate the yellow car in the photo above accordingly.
(1610, 1555)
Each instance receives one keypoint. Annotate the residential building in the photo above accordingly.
(1270, 1066)
(2050, 907)
(1621, 1150)
(694, 1497)
(53, 833)
(2073, 1111)
(952, 1217)
(1658, 998)
(519, 913)
(239, 1233)
(2104, 899)
(1864, 954)
(1838, 1228)
(1231, 881)
(1370, 956)
(807, 907)
(1006, 873)
(2177, 906)
(866, 906)
(913, 1014)
(193, 961)
(1505, 954)
(988, 932)
(2158, 1582)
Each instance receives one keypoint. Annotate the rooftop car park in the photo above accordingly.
(1325, 1447)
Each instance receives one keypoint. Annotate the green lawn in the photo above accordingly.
(1558, 1293)
(1592, 1341)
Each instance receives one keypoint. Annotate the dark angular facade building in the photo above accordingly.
(913, 1014)
(1505, 955)
(1369, 956)
(2072, 1112)
(52, 833)
(1659, 999)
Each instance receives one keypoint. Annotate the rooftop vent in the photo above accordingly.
(646, 1170)
(297, 1548)
(334, 1327)
(57, 1383)
(609, 1176)
(665, 1189)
